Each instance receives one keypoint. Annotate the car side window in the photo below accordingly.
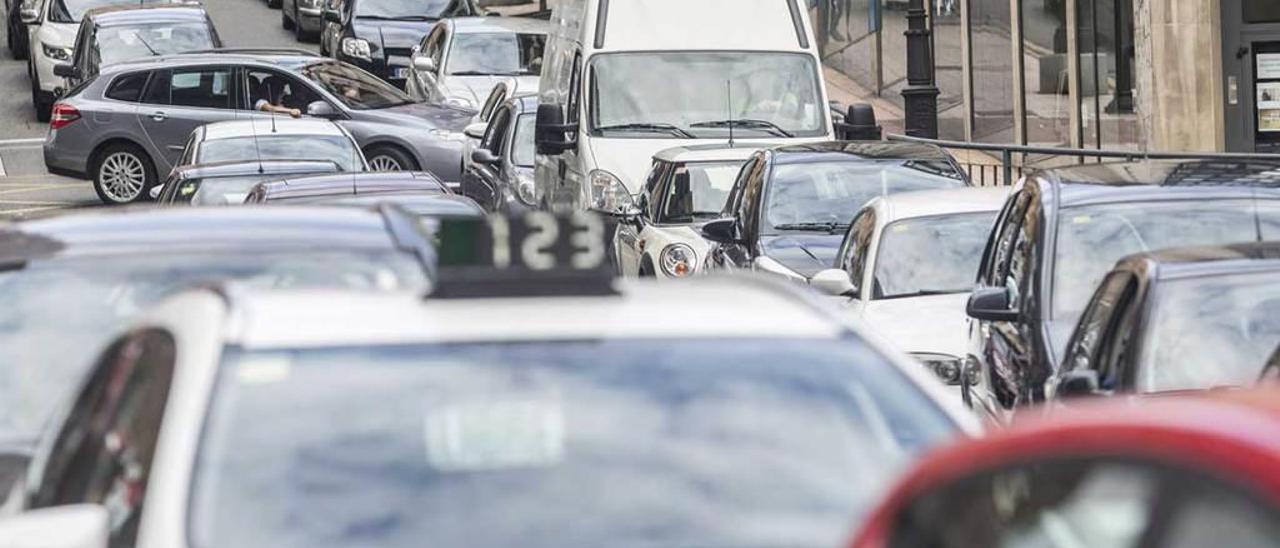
(863, 230)
(1084, 346)
(105, 451)
(574, 103)
(495, 135)
(127, 87)
(277, 88)
(496, 97)
(1004, 238)
(651, 184)
(749, 204)
(1024, 254)
(739, 183)
(204, 87)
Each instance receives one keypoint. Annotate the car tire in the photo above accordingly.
(300, 34)
(42, 102)
(273, 4)
(17, 47)
(389, 158)
(123, 174)
(285, 22)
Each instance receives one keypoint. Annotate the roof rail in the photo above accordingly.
(258, 51)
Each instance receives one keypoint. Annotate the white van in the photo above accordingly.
(624, 79)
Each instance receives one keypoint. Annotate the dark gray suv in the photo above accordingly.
(133, 120)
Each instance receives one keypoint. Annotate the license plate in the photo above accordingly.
(400, 73)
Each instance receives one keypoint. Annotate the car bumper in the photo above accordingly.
(64, 159)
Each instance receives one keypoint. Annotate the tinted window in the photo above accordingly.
(830, 193)
(128, 87)
(595, 443)
(503, 54)
(699, 191)
(204, 88)
(931, 255)
(158, 89)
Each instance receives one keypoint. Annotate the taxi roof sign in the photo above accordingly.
(536, 254)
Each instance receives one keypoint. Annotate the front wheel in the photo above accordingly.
(123, 174)
(285, 22)
(388, 158)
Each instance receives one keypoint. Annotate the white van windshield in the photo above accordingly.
(687, 95)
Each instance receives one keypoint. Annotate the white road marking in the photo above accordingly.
(27, 210)
(7, 143)
(36, 202)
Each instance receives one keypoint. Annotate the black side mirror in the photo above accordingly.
(1079, 383)
(484, 156)
(552, 135)
(722, 231)
(332, 16)
(65, 70)
(991, 304)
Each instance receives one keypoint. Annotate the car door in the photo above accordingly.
(481, 182)
(630, 234)
(179, 100)
(996, 392)
(1019, 345)
(105, 447)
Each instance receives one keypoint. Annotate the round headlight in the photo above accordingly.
(677, 260)
(525, 190)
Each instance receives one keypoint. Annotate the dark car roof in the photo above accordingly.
(146, 13)
(142, 230)
(254, 167)
(857, 150)
(343, 184)
(1207, 260)
(1159, 179)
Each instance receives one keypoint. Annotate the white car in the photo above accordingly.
(686, 187)
(907, 265)
(506, 402)
(460, 61)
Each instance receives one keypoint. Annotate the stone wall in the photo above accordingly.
(1179, 70)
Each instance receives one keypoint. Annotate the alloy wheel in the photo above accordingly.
(122, 176)
(385, 163)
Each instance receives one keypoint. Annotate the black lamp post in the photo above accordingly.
(921, 93)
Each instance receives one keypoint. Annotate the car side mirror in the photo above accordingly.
(1079, 383)
(425, 64)
(332, 16)
(321, 109)
(722, 231)
(66, 70)
(74, 526)
(552, 136)
(991, 304)
(483, 156)
(834, 282)
(28, 14)
(476, 131)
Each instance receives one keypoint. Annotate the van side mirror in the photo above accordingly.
(74, 526)
(992, 304)
(722, 231)
(552, 136)
(834, 282)
(1079, 383)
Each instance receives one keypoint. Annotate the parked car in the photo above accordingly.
(71, 281)
(791, 206)
(16, 33)
(461, 60)
(52, 29)
(229, 183)
(1177, 320)
(1178, 473)
(1062, 230)
(173, 95)
(686, 187)
(500, 174)
(304, 17)
(906, 267)
(121, 33)
(319, 188)
(379, 35)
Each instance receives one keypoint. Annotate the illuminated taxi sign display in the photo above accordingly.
(537, 254)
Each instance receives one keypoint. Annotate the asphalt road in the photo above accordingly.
(25, 188)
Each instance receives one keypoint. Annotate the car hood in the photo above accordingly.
(58, 34)
(630, 159)
(477, 88)
(420, 114)
(807, 253)
(935, 323)
(401, 35)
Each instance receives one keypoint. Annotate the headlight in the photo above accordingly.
(608, 194)
(525, 191)
(56, 53)
(357, 48)
(677, 260)
(460, 102)
(948, 368)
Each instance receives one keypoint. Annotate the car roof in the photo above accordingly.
(486, 24)
(434, 204)
(263, 127)
(265, 57)
(347, 184)
(1154, 180)
(1234, 436)
(134, 14)
(238, 168)
(710, 153)
(1208, 260)
(857, 150)
(928, 203)
(130, 230)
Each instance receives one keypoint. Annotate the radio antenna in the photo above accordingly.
(253, 126)
(728, 84)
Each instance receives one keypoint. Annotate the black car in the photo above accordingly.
(1177, 320)
(500, 174)
(790, 206)
(229, 183)
(68, 282)
(15, 29)
(1062, 230)
(379, 35)
(116, 34)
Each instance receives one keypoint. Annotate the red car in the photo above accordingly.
(1194, 472)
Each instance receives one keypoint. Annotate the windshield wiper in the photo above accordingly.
(650, 126)
(826, 227)
(145, 44)
(749, 123)
(925, 293)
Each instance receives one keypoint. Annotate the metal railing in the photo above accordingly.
(1009, 162)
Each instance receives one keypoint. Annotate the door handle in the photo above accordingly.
(159, 116)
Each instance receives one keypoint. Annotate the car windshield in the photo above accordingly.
(1210, 332)
(1092, 238)
(72, 11)
(335, 148)
(826, 195)
(119, 44)
(931, 255)
(686, 95)
(356, 88)
(522, 149)
(699, 191)
(505, 54)
(58, 313)
(424, 10)
(713, 442)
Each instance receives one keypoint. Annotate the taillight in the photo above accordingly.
(63, 115)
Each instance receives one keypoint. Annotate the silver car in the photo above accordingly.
(133, 120)
(461, 60)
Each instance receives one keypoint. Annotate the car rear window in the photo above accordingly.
(127, 87)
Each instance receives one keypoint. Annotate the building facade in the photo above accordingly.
(1159, 75)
